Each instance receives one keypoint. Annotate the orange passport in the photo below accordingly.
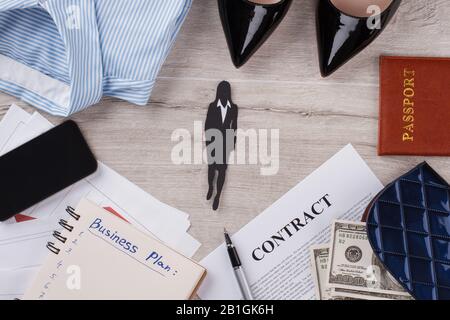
(414, 106)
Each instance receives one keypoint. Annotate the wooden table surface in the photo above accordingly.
(280, 88)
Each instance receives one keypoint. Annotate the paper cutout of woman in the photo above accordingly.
(220, 131)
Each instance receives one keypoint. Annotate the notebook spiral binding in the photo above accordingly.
(58, 235)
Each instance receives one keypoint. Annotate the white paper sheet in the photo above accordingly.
(35, 125)
(25, 252)
(13, 120)
(347, 184)
(15, 282)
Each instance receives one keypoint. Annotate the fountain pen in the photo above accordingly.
(237, 268)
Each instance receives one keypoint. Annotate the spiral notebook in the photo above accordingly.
(97, 255)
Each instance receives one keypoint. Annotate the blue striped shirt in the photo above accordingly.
(62, 56)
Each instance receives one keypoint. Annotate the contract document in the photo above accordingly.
(274, 247)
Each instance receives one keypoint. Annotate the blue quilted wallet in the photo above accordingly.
(408, 226)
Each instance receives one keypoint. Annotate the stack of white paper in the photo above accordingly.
(23, 238)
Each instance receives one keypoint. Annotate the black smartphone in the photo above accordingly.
(43, 166)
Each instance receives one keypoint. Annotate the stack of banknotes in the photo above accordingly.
(347, 268)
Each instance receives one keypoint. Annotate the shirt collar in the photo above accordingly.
(219, 104)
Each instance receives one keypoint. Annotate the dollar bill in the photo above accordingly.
(319, 264)
(352, 264)
(349, 294)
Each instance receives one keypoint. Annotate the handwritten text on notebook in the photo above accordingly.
(116, 240)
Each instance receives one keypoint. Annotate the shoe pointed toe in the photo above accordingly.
(326, 70)
(336, 46)
(328, 62)
(239, 59)
(248, 25)
(340, 36)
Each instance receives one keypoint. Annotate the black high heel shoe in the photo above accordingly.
(342, 35)
(247, 24)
